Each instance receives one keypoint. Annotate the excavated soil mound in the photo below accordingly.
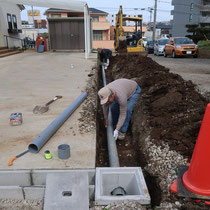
(163, 129)
(173, 107)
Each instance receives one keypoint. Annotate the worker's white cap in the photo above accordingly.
(104, 94)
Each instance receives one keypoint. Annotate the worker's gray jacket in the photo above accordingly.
(123, 89)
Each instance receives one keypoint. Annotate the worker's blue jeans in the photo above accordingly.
(130, 105)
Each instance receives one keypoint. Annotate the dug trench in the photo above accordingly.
(163, 128)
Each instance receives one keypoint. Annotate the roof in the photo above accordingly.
(92, 11)
(97, 11)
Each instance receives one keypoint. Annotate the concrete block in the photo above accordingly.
(67, 191)
(39, 176)
(11, 192)
(131, 179)
(15, 178)
(34, 192)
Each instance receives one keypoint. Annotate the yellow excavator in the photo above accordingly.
(132, 42)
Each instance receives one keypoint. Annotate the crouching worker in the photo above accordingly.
(121, 95)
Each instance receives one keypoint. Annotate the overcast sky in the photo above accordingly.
(129, 7)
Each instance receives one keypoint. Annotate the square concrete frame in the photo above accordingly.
(130, 178)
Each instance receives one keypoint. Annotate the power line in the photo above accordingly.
(141, 9)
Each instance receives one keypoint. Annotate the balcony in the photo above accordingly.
(14, 31)
(205, 8)
(205, 19)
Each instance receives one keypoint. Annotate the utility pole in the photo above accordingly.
(32, 8)
(154, 24)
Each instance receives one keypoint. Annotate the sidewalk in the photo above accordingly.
(30, 79)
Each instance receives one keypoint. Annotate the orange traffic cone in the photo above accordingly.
(197, 177)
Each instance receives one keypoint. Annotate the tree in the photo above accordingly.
(198, 32)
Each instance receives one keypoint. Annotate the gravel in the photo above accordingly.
(8, 204)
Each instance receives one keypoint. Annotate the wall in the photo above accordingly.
(103, 44)
(102, 25)
(32, 33)
(1, 34)
(11, 9)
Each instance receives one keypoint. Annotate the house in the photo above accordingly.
(189, 12)
(10, 25)
(57, 18)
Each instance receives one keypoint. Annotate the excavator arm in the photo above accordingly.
(119, 32)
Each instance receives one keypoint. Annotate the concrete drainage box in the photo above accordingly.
(130, 179)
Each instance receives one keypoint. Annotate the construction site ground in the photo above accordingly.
(165, 121)
(30, 79)
(196, 70)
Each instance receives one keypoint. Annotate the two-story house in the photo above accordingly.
(73, 34)
(10, 25)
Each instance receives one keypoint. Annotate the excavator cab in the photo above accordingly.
(133, 39)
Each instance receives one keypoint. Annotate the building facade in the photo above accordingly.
(10, 25)
(112, 19)
(100, 26)
(189, 12)
(205, 13)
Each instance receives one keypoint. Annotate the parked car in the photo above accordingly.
(144, 42)
(159, 46)
(149, 46)
(181, 46)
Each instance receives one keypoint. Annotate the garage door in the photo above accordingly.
(66, 33)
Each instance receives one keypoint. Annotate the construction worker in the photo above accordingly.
(121, 95)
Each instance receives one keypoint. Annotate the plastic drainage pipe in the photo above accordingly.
(112, 148)
(40, 141)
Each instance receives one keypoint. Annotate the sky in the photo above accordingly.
(129, 7)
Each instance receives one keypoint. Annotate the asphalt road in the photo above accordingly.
(195, 69)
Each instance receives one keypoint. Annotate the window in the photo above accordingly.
(55, 15)
(190, 17)
(97, 35)
(14, 20)
(9, 20)
(95, 19)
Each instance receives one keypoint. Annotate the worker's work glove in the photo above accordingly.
(115, 134)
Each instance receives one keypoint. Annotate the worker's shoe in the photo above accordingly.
(121, 136)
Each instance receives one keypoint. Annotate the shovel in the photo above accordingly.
(45, 108)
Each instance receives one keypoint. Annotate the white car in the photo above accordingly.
(159, 46)
(144, 41)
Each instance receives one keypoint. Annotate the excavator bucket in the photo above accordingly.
(122, 45)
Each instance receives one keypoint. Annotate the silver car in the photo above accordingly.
(159, 46)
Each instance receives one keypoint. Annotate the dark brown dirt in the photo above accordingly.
(173, 107)
(122, 48)
(169, 110)
(204, 53)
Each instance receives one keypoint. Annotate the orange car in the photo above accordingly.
(180, 46)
